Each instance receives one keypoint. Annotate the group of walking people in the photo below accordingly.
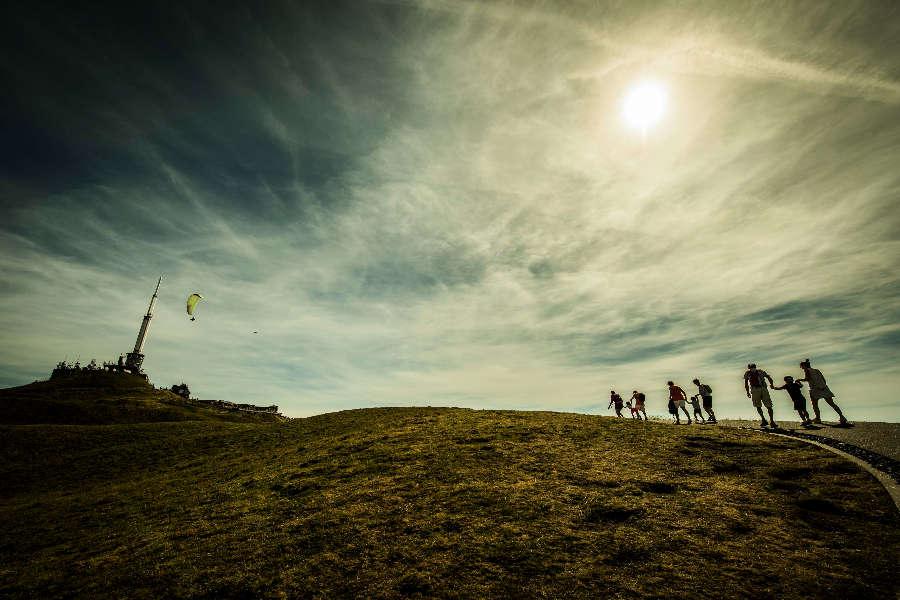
(755, 386)
(677, 400)
(635, 405)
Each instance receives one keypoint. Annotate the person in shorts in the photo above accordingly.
(639, 398)
(818, 390)
(678, 397)
(698, 412)
(616, 400)
(795, 391)
(755, 385)
(705, 392)
(632, 409)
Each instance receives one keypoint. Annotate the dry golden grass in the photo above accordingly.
(436, 503)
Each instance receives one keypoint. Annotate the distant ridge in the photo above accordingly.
(105, 398)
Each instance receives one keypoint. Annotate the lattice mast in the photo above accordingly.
(135, 359)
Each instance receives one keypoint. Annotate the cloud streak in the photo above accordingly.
(342, 185)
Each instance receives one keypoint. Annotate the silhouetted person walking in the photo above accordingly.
(616, 400)
(755, 385)
(638, 398)
(678, 398)
(818, 390)
(706, 394)
(793, 389)
(633, 410)
(698, 412)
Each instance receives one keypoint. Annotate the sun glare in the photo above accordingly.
(644, 105)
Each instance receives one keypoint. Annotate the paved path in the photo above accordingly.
(883, 438)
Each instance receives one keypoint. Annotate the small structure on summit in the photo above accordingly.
(133, 360)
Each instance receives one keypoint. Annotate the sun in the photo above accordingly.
(644, 105)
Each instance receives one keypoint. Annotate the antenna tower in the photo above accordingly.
(135, 359)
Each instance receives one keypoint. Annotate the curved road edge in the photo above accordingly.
(890, 483)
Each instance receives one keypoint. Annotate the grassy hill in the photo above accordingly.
(436, 503)
(103, 398)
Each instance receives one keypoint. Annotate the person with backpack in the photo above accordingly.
(818, 390)
(793, 388)
(639, 400)
(755, 385)
(705, 392)
(678, 397)
(616, 400)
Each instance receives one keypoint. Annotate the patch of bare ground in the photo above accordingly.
(436, 503)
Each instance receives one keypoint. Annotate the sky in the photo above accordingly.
(439, 203)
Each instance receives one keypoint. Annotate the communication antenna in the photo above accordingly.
(134, 360)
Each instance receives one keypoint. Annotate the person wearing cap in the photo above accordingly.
(755, 385)
(678, 397)
(638, 398)
(705, 392)
(794, 389)
(818, 390)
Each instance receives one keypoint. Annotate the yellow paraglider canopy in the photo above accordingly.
(192, 302)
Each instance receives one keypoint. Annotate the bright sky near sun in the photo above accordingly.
(644, 105)
(456, 203)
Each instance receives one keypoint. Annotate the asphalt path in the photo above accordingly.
(883, 438)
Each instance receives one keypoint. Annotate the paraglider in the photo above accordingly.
(191, 303)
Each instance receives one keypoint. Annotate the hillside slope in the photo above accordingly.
(103, 398)
(436, 503)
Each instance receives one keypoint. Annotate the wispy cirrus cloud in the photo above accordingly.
(341, 185)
